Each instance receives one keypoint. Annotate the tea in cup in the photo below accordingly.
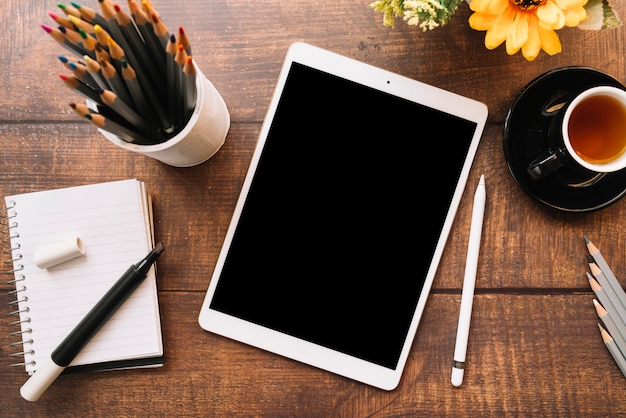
(590, 133)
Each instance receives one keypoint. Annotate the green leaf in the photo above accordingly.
(600, 15)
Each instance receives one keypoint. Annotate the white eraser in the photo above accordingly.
(59, 252)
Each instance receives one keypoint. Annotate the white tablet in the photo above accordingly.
(343, 216)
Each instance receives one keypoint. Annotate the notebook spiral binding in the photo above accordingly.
(8, 230)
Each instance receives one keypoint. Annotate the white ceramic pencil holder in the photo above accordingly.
(199, 140)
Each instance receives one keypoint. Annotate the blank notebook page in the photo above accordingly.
(114, 222)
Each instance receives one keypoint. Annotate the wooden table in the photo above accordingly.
(534, 347)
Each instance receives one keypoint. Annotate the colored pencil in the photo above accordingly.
(160, 29)
(68, 10)
(80, 109)
(102, 36)
(114, 79)
(72, 35)
(106, 10)
(115, 50)
(88, 41)
(617, 288)
(608, 289)
(91, 16)
(125, 111)
(145, 28)
(60, 38)
(82, 24)
(81, 87)
(118, 130)
(613, 349)
(173, 77)
(93, 67)
(56, 34)
(184, 40)
(118, 53)
(61, 20)
(190, 90)
(148, 8)
(140, 101)
(610, 326)
(74, 38)
(67, 60)
(181, 59)
(144, 63)
(108, 13)
(102, 54)
(620, 322)
(127, 69)
(80, 71)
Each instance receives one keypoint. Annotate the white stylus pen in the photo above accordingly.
(467, 297)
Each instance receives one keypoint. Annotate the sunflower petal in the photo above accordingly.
(550, 16)
(499, 31)
(510, 48)
(481, 21)
(498, 7)
(494, 7)
(550, 42)
(518, 35)
(574, 17)
(532, 47)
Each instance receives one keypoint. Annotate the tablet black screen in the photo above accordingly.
(343, 216)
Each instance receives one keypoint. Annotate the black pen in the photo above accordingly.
(78, 338)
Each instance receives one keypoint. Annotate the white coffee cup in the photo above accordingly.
(589, 131)
(200, 138)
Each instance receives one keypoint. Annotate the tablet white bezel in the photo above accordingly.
(305, 351)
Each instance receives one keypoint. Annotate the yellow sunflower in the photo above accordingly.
(528, 25)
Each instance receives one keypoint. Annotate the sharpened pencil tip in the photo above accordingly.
(606, 337)
(586, 239)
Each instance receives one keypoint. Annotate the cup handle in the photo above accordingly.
(546, 163)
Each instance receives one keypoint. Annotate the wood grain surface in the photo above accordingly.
(534, 347)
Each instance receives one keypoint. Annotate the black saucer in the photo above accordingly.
(525, 137)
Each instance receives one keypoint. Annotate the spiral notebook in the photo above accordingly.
(114, 222)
